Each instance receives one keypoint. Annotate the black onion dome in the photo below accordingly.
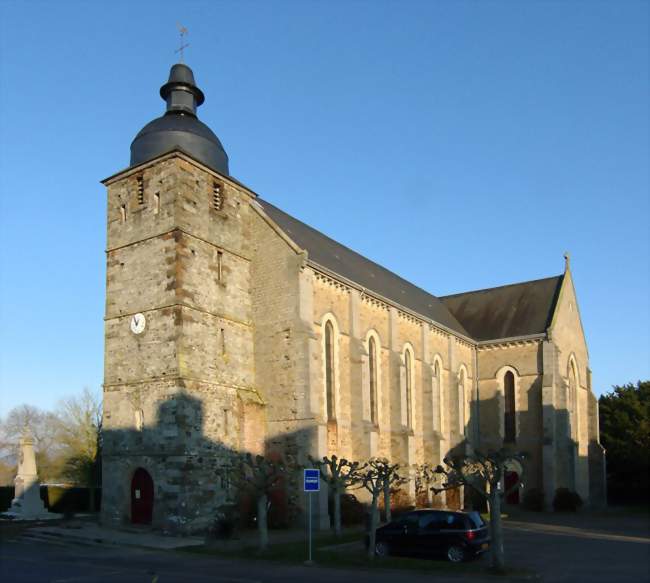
(179, 127)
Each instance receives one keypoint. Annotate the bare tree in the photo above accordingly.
(484, 474)
(260, 477)
(377, 476)
(391, 478)
(425, 478)
(339, 474)
(44, 427)
(80, 423)
(372, 479)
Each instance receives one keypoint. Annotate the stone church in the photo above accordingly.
(232, 326)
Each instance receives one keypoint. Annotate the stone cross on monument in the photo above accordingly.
(27, 501)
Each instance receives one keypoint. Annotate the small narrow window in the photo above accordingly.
(226, 421)
(509, 409)
(123, 213)
(217, 196)
(372, 366)
(140, 181)
(156, 203)
(219, 265)
(223, 342)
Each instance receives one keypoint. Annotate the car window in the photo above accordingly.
(431, 521)
(475, 519)
(454, 522)
(410, 519)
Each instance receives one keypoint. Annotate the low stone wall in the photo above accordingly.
(59, 499)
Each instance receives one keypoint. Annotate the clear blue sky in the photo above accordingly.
(461, 144)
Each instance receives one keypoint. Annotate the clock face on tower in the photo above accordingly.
(138, 322)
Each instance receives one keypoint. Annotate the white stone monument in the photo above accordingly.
(27, 503)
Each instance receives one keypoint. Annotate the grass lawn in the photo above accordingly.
(352, 557)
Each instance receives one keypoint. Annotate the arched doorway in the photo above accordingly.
(141, 497)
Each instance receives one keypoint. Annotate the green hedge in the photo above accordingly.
(60, 499)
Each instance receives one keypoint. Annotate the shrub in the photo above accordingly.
(400, 502)
(225, 522)
(566, 500)
(475, 501)
(421, 500)
(6, 496)
(352, 511)
(533, 500)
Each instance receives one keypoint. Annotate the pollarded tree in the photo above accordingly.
(391, 478)
(339, 474)
(372, 479)
(484, 474)
(258, 476)
(425, 478)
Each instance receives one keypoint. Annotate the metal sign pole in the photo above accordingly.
(311, 484)
(309, 496)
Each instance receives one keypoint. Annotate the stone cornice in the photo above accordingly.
(346, 285)
(177, 230)
(501, 343)
(177, 153)
(244, 323)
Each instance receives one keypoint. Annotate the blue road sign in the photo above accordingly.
(312, 480)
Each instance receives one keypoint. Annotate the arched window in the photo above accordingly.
(329, 370)
(462, 402)
(436, 398)
(408, 370)
(372, 377)
(509, 421)
(572, 401)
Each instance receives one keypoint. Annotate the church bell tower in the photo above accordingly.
(178, 334)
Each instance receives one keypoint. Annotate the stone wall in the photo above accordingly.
(177, 396)
(232, 358)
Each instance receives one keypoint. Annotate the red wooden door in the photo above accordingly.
(141, 497)
(511, 479)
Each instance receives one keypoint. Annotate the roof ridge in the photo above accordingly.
(379, 265)
(433, 302)
(487, 289)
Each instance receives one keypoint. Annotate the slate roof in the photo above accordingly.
(508, 311)
(343, 261)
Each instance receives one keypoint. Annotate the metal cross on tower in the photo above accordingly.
(183, 31)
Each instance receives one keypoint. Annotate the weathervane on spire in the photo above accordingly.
(183, 31)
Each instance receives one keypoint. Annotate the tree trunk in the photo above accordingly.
(387, 511)
(337, 512)
(262, 527)
(496, 531)
(372, 535)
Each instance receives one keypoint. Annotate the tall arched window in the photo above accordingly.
(436, 398)
(408, 370)
(329, 370)
(509, 421)
(572, 404)
(372, 377)
(462, 402)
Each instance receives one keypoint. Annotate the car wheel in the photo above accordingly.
(382, 549)
(456, 554)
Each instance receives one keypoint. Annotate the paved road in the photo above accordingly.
(23, 562)
(609, 551)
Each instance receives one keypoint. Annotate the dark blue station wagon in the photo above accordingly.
(456, 535)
